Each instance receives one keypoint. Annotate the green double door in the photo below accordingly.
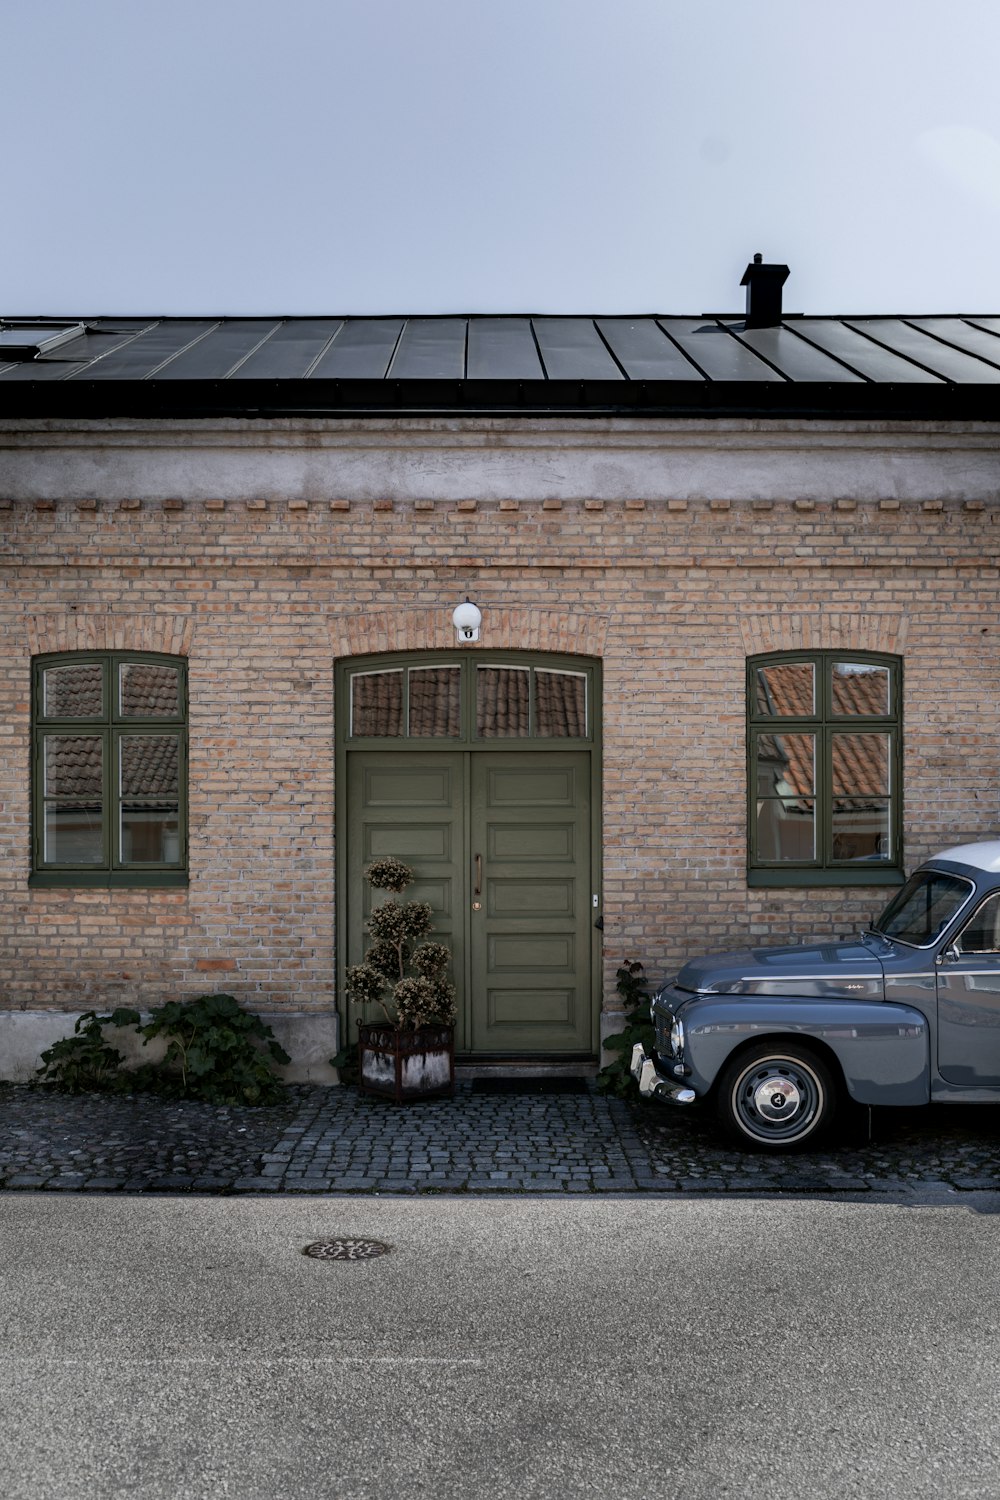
(500, 843)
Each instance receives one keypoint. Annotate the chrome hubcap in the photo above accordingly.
(776, 1099)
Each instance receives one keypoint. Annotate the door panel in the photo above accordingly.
(412, 807)
(969, 1020)
(529, 941)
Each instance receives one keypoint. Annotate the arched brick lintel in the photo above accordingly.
(823, 631)
(507, 629)
(170, 634)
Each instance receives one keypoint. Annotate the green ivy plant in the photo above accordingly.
(216, 1052)
(85, 1062)
(401, 974)
(632, 986)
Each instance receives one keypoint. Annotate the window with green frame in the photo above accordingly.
(823, 768)
(109, 769)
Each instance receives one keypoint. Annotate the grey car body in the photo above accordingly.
(906, 1013)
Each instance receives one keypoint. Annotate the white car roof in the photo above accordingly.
(985, 856)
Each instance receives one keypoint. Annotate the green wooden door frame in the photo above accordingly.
(466, 741)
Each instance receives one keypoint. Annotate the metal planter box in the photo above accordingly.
(405, 1065)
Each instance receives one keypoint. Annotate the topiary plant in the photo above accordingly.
(400, 973)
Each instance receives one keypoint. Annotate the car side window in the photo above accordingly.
(981, 934)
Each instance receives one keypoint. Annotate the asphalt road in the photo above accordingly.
(186, 1348)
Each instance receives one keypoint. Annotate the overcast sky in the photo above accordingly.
(421, 156)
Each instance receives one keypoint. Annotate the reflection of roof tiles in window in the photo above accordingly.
(436, 702)
(74, 692)
(502, 701)
(73, 766)
(860, 761)
(560, 705)
(150, 766)
(149, 691)
(377, 705)
(860, 765)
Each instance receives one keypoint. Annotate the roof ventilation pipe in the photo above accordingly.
(763, 284)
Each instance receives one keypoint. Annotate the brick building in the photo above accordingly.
(738, 664)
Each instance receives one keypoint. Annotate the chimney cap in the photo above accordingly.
(759, 270)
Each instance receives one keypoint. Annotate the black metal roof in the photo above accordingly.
(904, 367)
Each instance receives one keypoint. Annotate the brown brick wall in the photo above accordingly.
(672, 595)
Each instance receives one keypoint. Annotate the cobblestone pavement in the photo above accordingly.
(330, 1140)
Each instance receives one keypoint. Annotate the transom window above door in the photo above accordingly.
(475, 699)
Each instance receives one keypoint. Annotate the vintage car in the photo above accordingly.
(907, 1013)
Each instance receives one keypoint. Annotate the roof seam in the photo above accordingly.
(336, 332)
(756, 353)
(259, 344)
(950, 343)
(900, 354)
(830, 354)
(682, 351)
(182, 350)
(90, 363)
(600, 334)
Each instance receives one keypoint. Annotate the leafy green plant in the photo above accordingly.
(216, 1052)
(400, 973)
(86, 1062)
(616, 1077)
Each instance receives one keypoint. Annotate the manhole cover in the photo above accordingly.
(346, 1249)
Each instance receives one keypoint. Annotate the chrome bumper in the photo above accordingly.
(656, 1085)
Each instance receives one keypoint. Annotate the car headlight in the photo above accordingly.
(677, 1037)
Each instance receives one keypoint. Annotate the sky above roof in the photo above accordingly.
(423, 156)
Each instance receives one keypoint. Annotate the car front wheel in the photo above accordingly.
(776, 1098)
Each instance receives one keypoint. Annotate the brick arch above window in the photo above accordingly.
(166, 635)
(505, 629)
(801, 630)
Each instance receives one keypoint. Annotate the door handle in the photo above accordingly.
(479, 875)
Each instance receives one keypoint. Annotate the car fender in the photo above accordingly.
(883, 1049)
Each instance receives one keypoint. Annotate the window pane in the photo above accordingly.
(74, 766)
(921, 911)
(73, 692)
(149, 786)
(786, 690)
(147, 690)
(982, 934)
(861, 829)
(786, 830)
(561, 704)
(861, 765)
(435, 702)
(149, 835)
(859, 688)
(149, 765)
(73, 833)
(502, 701)
(786, 765)
(377, 705)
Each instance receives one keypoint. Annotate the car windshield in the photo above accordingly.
(923, 908)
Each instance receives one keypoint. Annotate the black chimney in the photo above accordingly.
(763, 284)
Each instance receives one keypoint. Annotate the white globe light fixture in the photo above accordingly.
(467, 619)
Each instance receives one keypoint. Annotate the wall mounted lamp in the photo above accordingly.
(467, 619)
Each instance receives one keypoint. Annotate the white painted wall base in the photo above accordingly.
(309, 1038)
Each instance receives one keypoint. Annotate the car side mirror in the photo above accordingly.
(950, 955)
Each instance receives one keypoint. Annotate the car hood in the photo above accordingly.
(823, 970)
